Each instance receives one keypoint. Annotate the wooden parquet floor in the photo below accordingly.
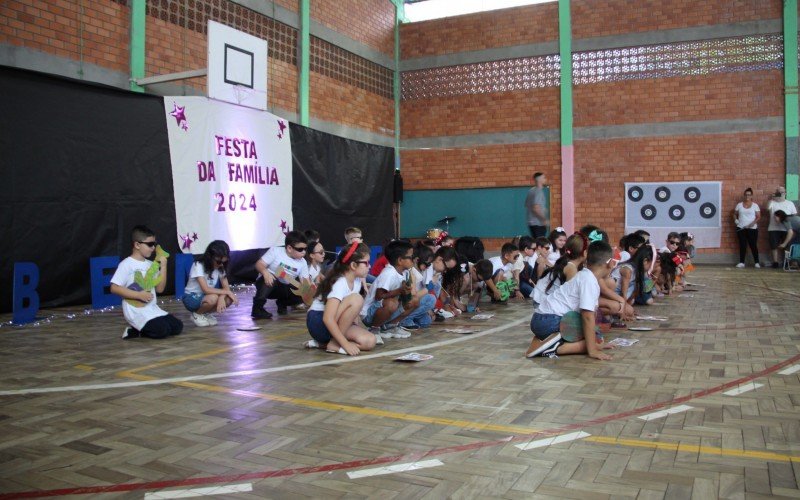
(86, 413)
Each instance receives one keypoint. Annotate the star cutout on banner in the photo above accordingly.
(179, 112)
(281, 127)
(284, 227)
(187, 241)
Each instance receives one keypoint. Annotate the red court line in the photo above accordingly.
(157, 485)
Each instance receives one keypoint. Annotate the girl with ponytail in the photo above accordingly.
(333, 319)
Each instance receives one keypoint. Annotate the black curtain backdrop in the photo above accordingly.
(82, 164)
(340, 183)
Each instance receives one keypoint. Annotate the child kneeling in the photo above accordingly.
(208, 290)
(333, 318)
(564, 322)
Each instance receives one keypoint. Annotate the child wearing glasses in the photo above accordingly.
(315, 257)
(333, 318)
(673, 240)
(140, 307)
(207, 290)
(564, 322)
(383, 304)
(276, 268)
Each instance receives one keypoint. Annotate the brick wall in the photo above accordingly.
(601, 166)
(98, 32)
(95, 32)
(371, 22)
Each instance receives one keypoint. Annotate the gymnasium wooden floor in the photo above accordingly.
(706, 405)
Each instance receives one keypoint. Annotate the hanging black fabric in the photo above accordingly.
(340, 183)
(81, 164)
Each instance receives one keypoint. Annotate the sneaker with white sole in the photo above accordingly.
(378, 339)
(539, 346)
(444, 314)
(400, 333)
(200, 319)
(740, 265)
(758, 266)
(311, 344)
(212, 320)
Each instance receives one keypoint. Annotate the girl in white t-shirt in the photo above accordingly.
(558, 238)
(207, 290)
(315, 256)
(746, 215)
(333, 318)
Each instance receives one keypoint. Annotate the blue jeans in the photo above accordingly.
(526, 288)
(373, 308)
(420, 316)
(316, 327)
(192, 301)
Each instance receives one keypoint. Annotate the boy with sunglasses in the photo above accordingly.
(276, 268)
(140, 308)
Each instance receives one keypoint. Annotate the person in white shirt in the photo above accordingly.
(390, 295)
(333, 318)
(208, 290)
(315, 257)
(139, 306)
(564, 322)
(502, 270)
(746, 216)
(777, 232)
(275, 268)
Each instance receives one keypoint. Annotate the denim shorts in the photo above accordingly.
(316, 327)
(193, 301)
(570, 325)
(373, 308)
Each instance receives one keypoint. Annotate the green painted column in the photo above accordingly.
(304, 61)
(792, 127)
(399, 17)
(567, 148)
(137, 42)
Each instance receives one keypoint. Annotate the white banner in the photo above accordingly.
(231, 174)
(663, 207)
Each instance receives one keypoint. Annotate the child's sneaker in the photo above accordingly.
(401, 333)
(758, 266)
(378, 339)
(311, 344)
(538, 347)
(212, 320)
(410, 327)
(444, 314)
(200, 319)
(740, 265)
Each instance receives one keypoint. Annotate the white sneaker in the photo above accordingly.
(212, 320)
(200, 319)
(378, 339)
(445, 314)
(311, 344)
(758, 266)
(740, 265)
(400, 333)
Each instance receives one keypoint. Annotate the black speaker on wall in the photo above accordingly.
(398, 187)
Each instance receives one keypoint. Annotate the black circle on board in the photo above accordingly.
(676, 212)
(707, 210)
(692, 194)
(635, 193)
(662, 193)
(649, 212)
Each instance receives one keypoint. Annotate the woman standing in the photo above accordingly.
(746, 214)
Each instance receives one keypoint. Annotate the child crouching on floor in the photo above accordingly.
(207, 290)
(565, 321)
(333, 318)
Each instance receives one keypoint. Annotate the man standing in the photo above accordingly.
(535, 203)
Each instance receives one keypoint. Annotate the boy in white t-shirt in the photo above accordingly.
(275, 267)
(502, 270)
(383, 303)
(139, 306)
(564, 322)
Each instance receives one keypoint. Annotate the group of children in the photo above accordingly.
(575, 283)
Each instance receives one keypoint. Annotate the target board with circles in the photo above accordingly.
(662, 207)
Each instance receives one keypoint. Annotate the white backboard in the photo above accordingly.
(237, 66)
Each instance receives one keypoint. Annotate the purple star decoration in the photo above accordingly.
(284, 227)
(187, 240)
(281, 128)
(179, 112)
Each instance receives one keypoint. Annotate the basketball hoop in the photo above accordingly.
(242, 93)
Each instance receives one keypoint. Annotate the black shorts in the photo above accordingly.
(776, 238)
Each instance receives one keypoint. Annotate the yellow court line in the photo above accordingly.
(693, 448)
(180, 359)
(467, 424)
